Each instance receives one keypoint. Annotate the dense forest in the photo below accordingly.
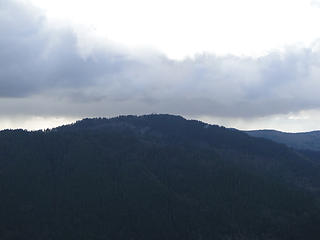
(155, 177)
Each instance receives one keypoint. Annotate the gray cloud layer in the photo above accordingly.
(43, 73)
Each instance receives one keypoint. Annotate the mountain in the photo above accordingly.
(303, 140)
(154, 177)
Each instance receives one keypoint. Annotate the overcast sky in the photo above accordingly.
(250, 64)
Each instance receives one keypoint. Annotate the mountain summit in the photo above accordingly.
(154, 177)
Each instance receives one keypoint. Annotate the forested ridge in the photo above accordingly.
(301, 140)
(154, 177)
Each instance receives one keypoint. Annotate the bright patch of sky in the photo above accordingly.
(180, 28)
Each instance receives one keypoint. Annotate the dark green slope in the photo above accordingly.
(303, 140)
(153, 177)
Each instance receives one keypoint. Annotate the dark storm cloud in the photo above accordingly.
(35, 57)
(42, 72)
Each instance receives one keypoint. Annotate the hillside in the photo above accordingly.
(154, 177)
(303, 140)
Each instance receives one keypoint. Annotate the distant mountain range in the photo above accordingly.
(302, 141)
(154, 177)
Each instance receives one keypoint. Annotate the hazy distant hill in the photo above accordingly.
(154, 177)
(305, 140)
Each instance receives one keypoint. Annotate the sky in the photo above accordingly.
(251, 64)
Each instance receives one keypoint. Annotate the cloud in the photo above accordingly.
(45, 71)
(315, 3)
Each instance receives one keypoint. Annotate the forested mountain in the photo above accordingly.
(303, 140)
(154, 177)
